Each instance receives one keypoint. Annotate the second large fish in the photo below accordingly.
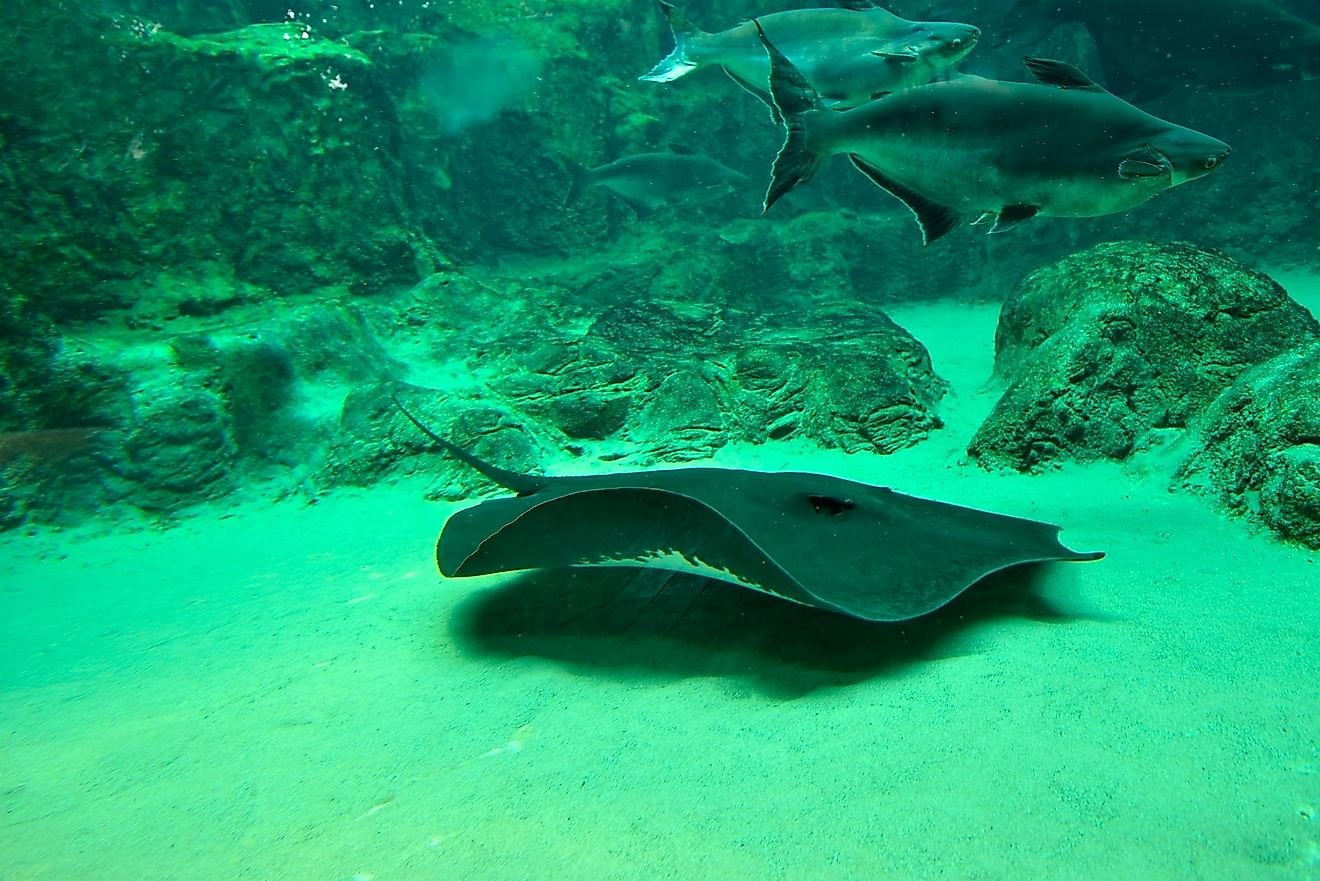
(973, 147)
(849, 55)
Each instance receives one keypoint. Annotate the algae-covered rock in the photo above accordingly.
(660, 382)
(1108, 346)
(1259, 446)
(678, 381)
(181, 449)
(155, 423)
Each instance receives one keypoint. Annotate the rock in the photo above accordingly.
(181, 449)
(675, 382)
(1109, 347)
(664, 382)
(215, 409)
(1259, 446)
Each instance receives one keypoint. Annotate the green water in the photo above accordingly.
(236, 232)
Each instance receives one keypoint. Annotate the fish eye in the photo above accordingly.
(1211, 162)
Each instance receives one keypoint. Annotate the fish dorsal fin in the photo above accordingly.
(1060, 73)
(935, 220)
(855, 5)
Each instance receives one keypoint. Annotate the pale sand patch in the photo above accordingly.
(289, 692)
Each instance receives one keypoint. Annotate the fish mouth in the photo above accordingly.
(957, 47)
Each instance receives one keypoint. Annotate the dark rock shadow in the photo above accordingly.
(648, 623)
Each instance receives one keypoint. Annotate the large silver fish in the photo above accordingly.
(849, 55)
(973, 147)
(647, 181)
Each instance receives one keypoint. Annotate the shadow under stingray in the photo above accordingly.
(649, 623)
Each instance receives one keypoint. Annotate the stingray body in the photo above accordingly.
(852, 548)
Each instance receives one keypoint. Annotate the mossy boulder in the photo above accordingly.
(677, 381)
(1106, 348)
(654, 383)
(1258, 446)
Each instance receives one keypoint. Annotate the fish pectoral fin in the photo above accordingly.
(906, 55)
(985, 217)
(876, 96)
(1135, 169)
(935, 220)
(1144, 163)
(1011, 215)
(1060, 73)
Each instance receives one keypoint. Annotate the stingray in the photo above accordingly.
(853, 548)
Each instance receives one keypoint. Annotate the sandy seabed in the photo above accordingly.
(290, 691)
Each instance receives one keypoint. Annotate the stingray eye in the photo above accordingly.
(828, 505)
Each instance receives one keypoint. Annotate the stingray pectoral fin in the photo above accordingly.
(935, 220)
(614, 526)
(882, 555)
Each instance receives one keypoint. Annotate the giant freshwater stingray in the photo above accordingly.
(825, 542)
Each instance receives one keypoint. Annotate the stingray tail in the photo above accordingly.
(796, 101)
(676, 63)
(522, 484)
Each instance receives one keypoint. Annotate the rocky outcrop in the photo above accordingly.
(1258, 447)
(156, 425)
(663, 383)
(1106, 348)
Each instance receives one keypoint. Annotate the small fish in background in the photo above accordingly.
(647, 181)
(849, 55)
(470, 82)
(974, 147)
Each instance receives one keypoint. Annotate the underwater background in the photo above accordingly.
(239, 235)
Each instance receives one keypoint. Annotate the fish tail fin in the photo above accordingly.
(579, 178)
(676, 63)
(796, 100)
